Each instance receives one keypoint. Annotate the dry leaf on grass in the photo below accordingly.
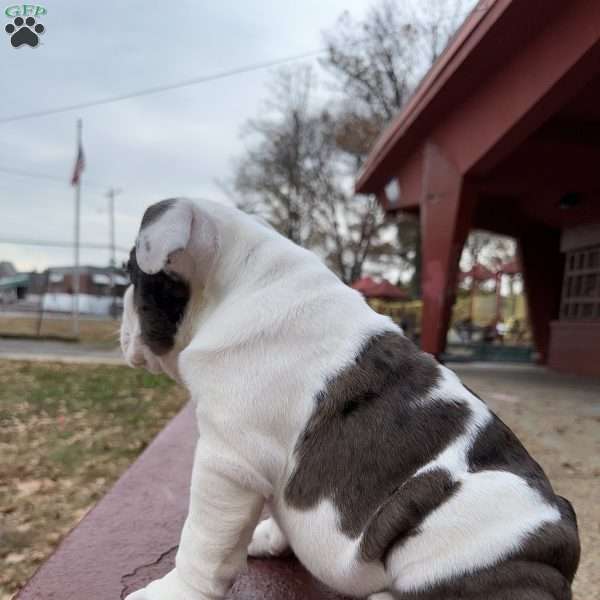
(66, 434)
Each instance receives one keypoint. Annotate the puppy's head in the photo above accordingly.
(155, 303)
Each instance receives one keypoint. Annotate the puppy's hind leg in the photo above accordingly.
(381, 596)
(267, 540)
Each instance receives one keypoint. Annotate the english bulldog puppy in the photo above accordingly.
(385, 475)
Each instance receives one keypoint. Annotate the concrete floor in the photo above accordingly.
(557, 417)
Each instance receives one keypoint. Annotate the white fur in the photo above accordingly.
(267, 540)
(328, 553)
(266, 326)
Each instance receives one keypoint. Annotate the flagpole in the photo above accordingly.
(112, 192)
(76, 248)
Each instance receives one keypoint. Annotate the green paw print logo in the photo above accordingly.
(25, 29)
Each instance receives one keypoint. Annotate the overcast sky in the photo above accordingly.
(174, 143)
(164, 145)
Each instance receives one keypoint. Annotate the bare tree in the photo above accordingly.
(272, 178)
(300, 161)
(373, 60)
(352, 236)
(437, 20)
(294, 175)
(488, 249)
(376, 64)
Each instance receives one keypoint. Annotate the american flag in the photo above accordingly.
(79, 165)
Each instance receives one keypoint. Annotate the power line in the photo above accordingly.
(34, 175)
(59, 244)
(166, 87)
(193, 81)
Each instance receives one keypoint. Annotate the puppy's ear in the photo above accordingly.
(166, 228)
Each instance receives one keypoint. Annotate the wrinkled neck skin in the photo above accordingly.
(239, 262)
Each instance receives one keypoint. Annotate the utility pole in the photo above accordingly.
(112, 192)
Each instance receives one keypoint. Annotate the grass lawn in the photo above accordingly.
(103, 333)
(66, 434)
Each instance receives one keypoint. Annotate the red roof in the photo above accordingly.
(481, 273)
(383, 289)
(363, 284)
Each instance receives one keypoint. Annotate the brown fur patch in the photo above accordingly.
(160, 302)
(370, 432)
(496, 447)
(510, 580)
(155, 211)
(401, 514)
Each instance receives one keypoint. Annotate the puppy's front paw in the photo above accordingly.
(267, 540)
(169, 587)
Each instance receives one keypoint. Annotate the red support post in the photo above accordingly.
(498, 290)
(543, 266)
(446, 210)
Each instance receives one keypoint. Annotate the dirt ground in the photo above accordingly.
(557, 417)
(67, 432)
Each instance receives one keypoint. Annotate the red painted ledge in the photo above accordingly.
(131, 536)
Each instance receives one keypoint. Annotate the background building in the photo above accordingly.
(504, 135)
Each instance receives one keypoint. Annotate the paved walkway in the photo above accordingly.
(55, 351)
(557, 417)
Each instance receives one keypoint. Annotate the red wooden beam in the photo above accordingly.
(543, 265)
(504, 75)
(446, 214)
